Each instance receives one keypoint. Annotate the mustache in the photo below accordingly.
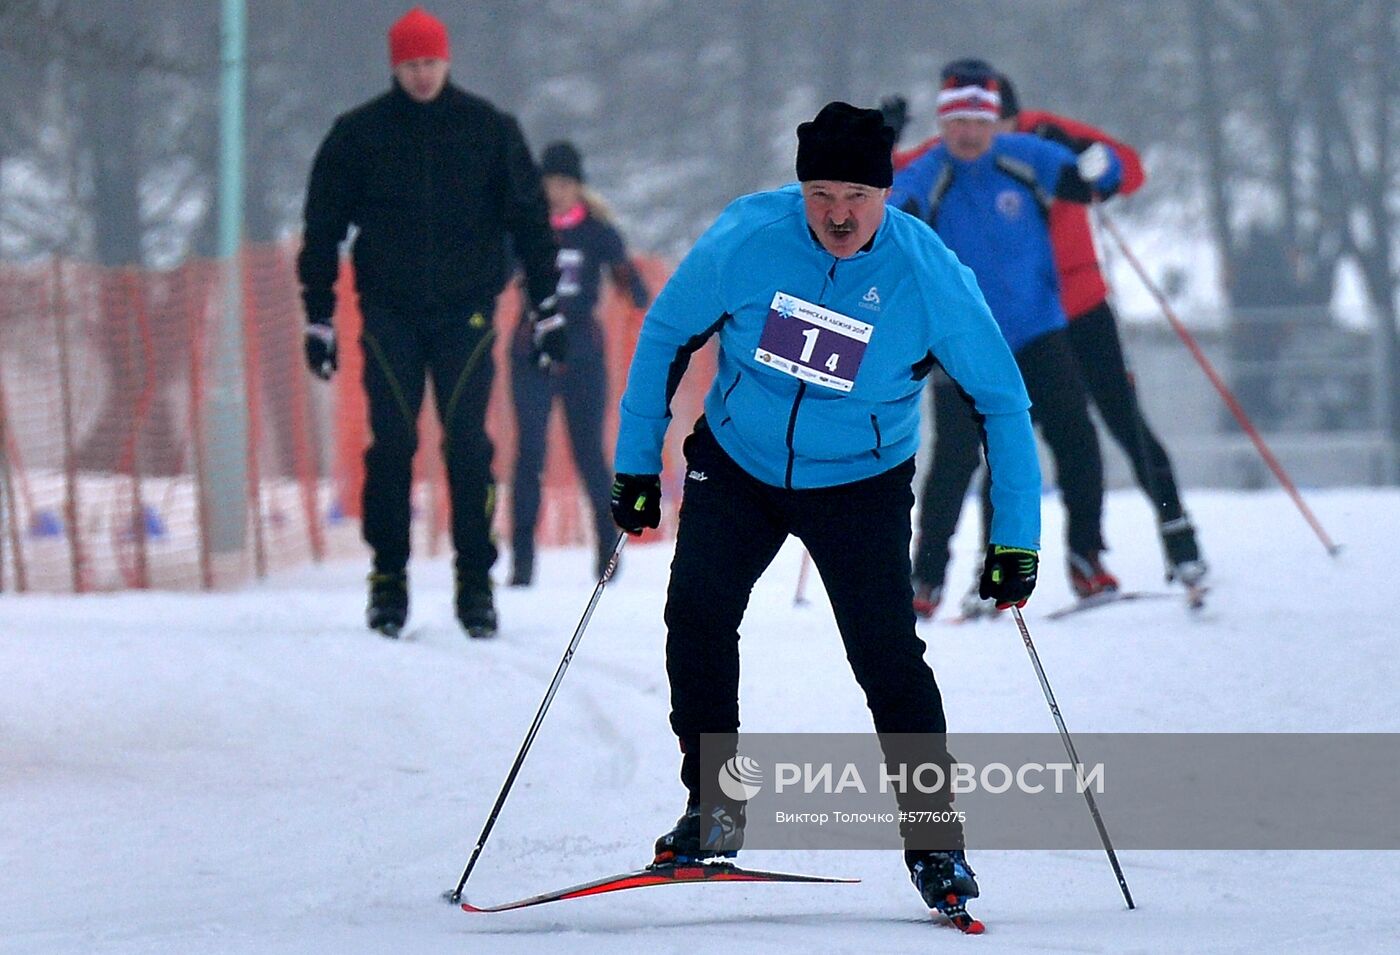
(842, 227)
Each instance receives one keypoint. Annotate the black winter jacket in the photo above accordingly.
(436, 189)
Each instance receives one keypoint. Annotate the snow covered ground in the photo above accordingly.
(254, 772)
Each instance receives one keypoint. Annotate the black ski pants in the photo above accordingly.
(1097, 348)
(582, 390)
(1059, 409)
(402, 349)
(730, 528)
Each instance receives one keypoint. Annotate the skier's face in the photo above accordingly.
(843, 215)
(564, 192)
(968, 138)
(422, 79)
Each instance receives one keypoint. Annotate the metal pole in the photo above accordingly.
(799, 598)
(455, 895)
(4, 496)
(1222, 389)
(1073, 756)
(227, 412)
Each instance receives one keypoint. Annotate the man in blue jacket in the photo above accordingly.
(988, 196)
(830, 309)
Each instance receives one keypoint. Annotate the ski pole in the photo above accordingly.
(455, 896)
(1230, 402)
(1073, 756)
(800, 597)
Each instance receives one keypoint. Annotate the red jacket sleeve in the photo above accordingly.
(1133, 174)
(903, 157)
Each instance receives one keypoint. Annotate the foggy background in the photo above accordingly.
(1266, 127)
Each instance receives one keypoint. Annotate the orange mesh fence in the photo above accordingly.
(107, 377)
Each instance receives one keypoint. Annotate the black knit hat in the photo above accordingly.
(562, 159)
(846, 144)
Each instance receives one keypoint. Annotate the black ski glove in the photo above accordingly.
(549, 343)
(895, 111)
(320, 348)
(636, 501)
(1008, 576)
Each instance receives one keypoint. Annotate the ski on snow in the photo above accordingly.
(1195, 600)
(667, 874)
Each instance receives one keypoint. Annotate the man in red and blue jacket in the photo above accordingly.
(988, 195)
(1093, 329)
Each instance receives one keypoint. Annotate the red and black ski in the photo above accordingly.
(668, 874)
(954, 913)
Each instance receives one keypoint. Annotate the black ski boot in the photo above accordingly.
(476, 610)
(1184, 562)
(388, 603)
(703, 832)
(945, 882)
(477, 613)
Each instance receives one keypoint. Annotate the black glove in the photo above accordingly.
(895, 110)
(549, 343)
(320, 348)
(1008, 576)
(636, 501)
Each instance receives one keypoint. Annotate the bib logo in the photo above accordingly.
(871, 299)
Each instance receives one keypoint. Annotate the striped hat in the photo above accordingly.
(971, 90)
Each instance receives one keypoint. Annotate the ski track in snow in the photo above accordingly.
(256, 772)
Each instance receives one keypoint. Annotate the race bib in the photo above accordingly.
(813, 343)
(569, 262)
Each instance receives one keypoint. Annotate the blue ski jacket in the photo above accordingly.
(822, 360)
(993, 213)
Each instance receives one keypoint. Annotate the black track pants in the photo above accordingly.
(401, 350)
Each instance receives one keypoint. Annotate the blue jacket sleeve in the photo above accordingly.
(688, 310)
(909, 193)
(975, 355)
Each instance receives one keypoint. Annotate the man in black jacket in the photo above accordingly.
(443, 190)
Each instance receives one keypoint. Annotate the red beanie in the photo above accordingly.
(417, 35)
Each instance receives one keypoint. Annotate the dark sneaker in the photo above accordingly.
(522, 571)
(1184, 563)
(927, 597)
(708, 832)
(1088, 577)
(388, 603)
(944, 879)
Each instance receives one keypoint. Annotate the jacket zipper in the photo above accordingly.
(428, 212)
(875, 423)
(802, 386)
(792, 427)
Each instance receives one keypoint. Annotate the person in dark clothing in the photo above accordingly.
(589, 246)
(987, 196)
(830, 309)
(440, 184)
